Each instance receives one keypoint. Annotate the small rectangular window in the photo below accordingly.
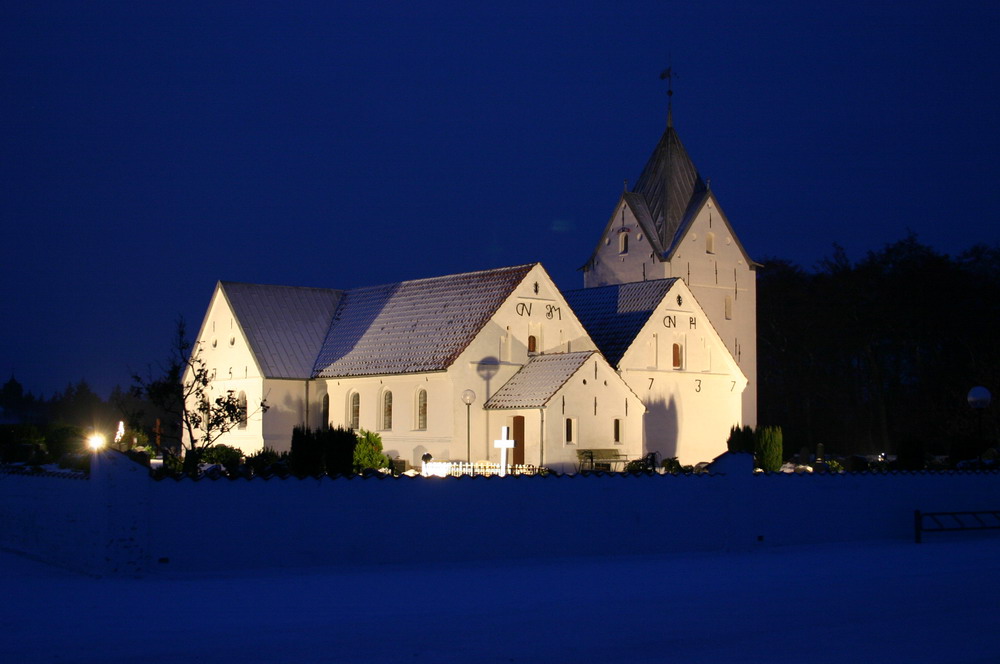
(618, 431)
(678, 357)
(729, 307)
(570, 431)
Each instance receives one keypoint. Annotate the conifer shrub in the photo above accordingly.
(741, 439)
(769, 449)
(338, 445)
(265, 460)
(306, 457)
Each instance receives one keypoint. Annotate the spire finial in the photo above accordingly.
(668, 74)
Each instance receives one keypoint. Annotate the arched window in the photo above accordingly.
(532, 344)
(421, 409)
(325, 424)
(623, 243)
(242, 400)
(678, 356)
(387, 410)
(354, 411)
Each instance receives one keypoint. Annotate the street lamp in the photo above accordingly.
(96, 441)
(468, 397)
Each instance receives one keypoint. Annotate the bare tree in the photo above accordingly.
(183, 394)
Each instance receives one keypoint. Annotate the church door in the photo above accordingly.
(517, 434)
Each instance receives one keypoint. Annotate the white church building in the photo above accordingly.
(657, 353)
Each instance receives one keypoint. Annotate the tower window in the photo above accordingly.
(623, 243)
(618, 431)
(678, 356)
(709, 243)
(570, 431)
(532, 344)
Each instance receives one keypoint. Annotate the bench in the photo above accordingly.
(936, 522)
(603, 459)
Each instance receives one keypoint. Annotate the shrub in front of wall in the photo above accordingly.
(368, 452)
(306, 457)
(338, 445)
(229, 457)
(741, 439)
(769, 449)
(265, 460)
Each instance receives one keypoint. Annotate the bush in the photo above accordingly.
(265, 460)
(65, 440)
(769, 449)
(741, 440)
(229, 457)
(368, 452)
(339, 445)
(306, 457)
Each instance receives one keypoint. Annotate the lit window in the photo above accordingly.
(678, 357)
(242, 400)
(387, 410)
(354, 411)
(421, 409)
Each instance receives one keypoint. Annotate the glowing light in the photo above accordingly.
(96, 442)
(120, 433)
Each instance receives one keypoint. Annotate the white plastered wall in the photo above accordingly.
(714, 267)
(228, 358)
(610, 264)
(690, 409)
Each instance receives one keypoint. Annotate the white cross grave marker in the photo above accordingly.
(503, 445)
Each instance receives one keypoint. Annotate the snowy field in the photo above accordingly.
(883, 602)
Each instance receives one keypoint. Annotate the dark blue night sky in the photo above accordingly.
(150, 150)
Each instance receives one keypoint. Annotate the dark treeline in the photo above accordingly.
(879, 355)
(59, 424)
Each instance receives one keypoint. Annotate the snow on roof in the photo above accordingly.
(538, 380)
(614, 315)
(412, 326)
(285, 325)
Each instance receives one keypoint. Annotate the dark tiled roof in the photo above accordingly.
(613, 315)
(670, 185)
(285, 325)
(538, 380)
(412, 326)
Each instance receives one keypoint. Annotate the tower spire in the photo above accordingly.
(669, 75)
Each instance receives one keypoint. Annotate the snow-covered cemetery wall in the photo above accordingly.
(121, 521)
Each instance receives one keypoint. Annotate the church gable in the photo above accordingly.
(679, 336)
(705, 231)
(222, 343)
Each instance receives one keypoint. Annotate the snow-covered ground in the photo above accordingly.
(882, 602)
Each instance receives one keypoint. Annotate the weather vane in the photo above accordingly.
(668, 74)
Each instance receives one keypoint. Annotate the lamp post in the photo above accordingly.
(468, 397)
